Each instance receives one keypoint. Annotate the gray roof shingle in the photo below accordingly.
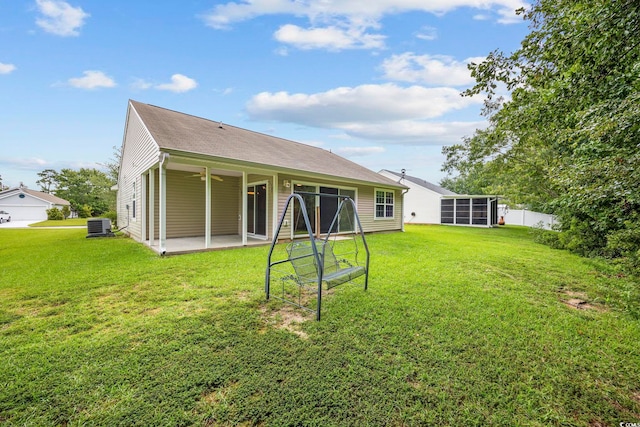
(173, 130)
(423, 183)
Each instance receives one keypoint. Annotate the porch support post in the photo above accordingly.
(163, 208)
(244, 208)
(152, 207)
(143, 203)
(207, 208)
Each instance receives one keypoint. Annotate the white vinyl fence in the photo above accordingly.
(526, 218)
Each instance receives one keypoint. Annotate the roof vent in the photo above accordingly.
(99, 227)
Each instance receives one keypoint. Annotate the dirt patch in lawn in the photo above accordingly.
(287, 317)
(578, 301)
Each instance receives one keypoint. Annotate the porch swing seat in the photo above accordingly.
(311, 265)
(334, 272)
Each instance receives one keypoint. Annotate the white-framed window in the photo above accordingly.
(385, 204)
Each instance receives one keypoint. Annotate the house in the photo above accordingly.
(187, 183)
(29, 205)
(427, 203)
(422, 206)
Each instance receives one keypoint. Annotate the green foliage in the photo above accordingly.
(567, 140)
(113, 216)
(55, 214)
(48, 180)
(85, 211)
(89, 187)
(66, 211)
(460, 326)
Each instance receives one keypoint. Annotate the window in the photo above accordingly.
(463, 207)
(384, 204)
(446, 211)
(479, 211)
(133, 201)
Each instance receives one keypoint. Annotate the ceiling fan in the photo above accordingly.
(201, 175)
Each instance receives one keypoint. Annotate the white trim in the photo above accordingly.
(207, 208)
(163, 208)
(244, 208)
(266, 219)
(375, 204)
(151, 208)
(144, 179)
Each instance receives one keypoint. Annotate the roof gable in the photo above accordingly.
(173, 130)
(422, 183)
(46, 197)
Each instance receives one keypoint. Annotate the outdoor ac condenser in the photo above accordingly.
(99, 227)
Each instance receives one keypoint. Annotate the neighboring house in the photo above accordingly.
(187, 183)
(422, 202)
(427, 203)
(29, 205)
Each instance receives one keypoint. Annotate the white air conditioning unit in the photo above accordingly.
(99, 227)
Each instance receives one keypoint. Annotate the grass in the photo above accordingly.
(460, 326)
(70, 222)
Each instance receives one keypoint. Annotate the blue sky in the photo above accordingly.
(377, 82)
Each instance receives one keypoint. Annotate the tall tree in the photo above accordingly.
(48, 180)
(567, 139)
(113, 164)
(85, 187)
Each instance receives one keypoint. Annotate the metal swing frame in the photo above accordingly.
(338, 276)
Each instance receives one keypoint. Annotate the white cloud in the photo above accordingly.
(22, 164)
(60, 18)
(429, 69)
(179, 83)
(369, 103)
(382, 112)
(6, 68)
(140, 84)
(427, 33)
(223, 16)
(346, 24)
(92, 80)
(358, 151)
(332, 38)
(508, 16)
(481, 17)
(415, 132)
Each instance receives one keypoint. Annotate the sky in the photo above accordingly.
(376, 81)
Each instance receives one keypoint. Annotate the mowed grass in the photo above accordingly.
(70, 222)
(460, 326)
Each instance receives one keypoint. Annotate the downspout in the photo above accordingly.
(402, 210)
(403, 193)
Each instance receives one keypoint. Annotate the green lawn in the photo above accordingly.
(70, 222)
(460, 326)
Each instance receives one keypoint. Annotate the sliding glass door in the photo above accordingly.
(257, 209)
(322, 209)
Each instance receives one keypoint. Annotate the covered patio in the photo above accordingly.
(185, 245)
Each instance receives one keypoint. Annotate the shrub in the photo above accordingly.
(85, 211)
(66, 211)
(113, 216)
(54, 214)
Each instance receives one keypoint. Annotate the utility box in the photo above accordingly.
(99, 227)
